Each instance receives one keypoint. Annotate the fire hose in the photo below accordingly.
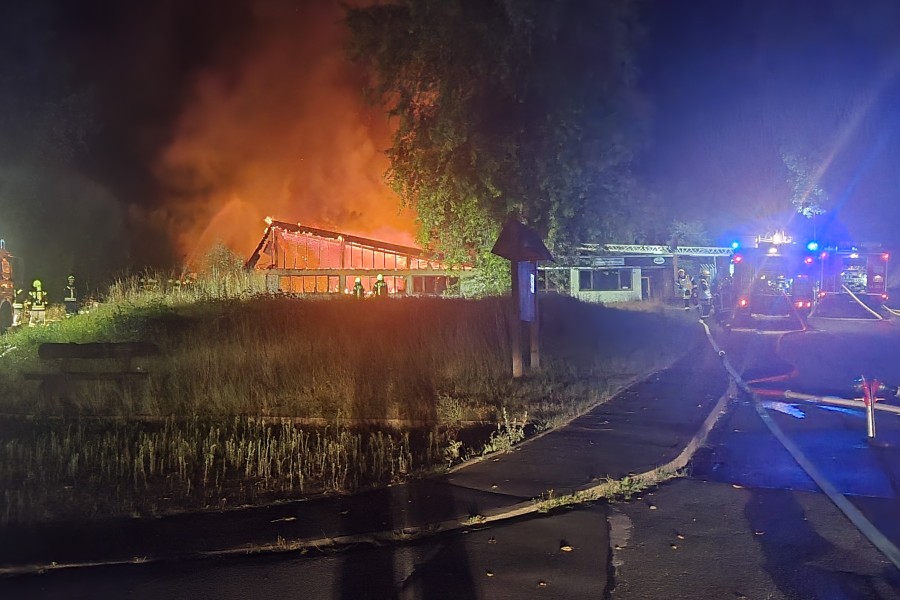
(859, 520)
(860, 302)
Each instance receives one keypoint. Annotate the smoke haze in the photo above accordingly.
(282, 132)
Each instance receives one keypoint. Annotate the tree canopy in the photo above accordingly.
(506, 107)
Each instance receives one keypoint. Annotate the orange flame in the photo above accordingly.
(287, 135)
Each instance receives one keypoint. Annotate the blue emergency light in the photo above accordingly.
(812, 246)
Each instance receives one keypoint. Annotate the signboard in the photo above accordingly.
(527, 289)
(608, 261)
(648, 261)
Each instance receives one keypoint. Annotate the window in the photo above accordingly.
(553, 280)
(604, 280)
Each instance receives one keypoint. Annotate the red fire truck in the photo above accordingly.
(858, 271)
(775, 277)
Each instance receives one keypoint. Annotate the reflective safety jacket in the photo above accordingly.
(71, 294)
(20, 299)
(38, 299)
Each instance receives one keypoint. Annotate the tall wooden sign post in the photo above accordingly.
(523, 247)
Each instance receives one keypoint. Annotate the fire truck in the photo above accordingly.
(7, 286)
(857, 271)
(773, 277)
(778, 277)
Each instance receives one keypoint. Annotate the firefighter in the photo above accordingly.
(684, 284)
(359, 292)
(380, 288)
(705, 299)
(71, 297)
(20, 307)
(38, 304)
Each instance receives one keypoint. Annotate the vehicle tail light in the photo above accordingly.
(821, 294)
(743, 302)
(884, 296)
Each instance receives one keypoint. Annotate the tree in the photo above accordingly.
(688, 233)
(505, 108)
(807, 195)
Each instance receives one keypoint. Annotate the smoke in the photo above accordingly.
(279, 131)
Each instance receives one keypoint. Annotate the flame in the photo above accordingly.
(284, 133)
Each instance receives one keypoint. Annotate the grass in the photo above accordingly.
(610, 489)
(258, 398)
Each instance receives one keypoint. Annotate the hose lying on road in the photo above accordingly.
(893, 311)
(859, 520)
(838, 401)
(861, 303)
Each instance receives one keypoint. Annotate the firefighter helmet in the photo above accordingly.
(71, 279)
(37, 284)
(380, 277)
(358, 280)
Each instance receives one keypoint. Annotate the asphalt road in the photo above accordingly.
(746, 523)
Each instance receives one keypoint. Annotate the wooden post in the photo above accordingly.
(534, 331)
(516, 337)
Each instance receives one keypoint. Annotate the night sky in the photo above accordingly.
(734, 83)
(194, 119)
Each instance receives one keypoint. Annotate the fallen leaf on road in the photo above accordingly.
(492, 540)
(489, 573)
(737, 487)
(566, 548)
(542, 584)
(652, 507)
(282, 519)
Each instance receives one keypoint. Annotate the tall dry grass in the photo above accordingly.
(226, 407)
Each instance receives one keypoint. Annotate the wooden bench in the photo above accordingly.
(106, 361)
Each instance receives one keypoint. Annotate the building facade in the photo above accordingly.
(299, 259)
(611, 273)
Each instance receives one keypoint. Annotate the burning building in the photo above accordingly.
(306, 260)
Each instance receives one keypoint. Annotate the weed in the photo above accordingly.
(508, 434)
(474, 520)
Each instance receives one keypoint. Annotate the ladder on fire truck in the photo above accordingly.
(657, 249)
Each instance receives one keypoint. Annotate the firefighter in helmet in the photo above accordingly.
(71, 297)
(38, 304)
(359, 292)
(706, 297)
(684, 285)
(380, 288)
(20, 306)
